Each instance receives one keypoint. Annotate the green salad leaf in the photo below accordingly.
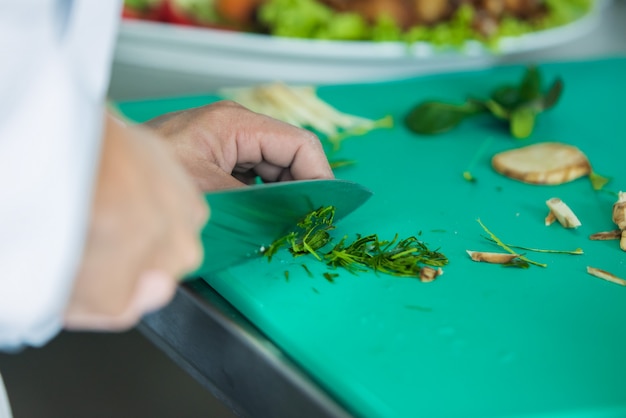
(314, 20)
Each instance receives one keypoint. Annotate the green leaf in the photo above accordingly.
(530, 88)
(520, 104)
(523, 121)
(439, 117)
(497, 109)
(552, 96)
(598, 181)
(506, 96)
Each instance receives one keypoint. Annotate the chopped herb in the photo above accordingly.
(507, 248)
(398, 257)
(311, 234)
(467, 174)
(519, 263)
(330, 277)
(577, 251)
(308, 272)
(357, 130)
(334, 164)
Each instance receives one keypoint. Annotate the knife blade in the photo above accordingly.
(244, 220)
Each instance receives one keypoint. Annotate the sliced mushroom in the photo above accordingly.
(605, 275)
(566, 217)
(490, 257)
(543, 163)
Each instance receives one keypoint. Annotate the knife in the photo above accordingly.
(244, 220)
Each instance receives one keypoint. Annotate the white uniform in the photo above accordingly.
(56, 57)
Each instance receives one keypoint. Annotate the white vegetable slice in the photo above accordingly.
(494, 258)
(619, 217)
(605, 275)
(566, 217)
(297, 105)
(543, 163)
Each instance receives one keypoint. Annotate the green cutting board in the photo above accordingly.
(482, 340)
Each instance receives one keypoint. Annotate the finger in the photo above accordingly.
(189, 198)
(307, 164)
(271, 172)
(178, 253)
(285, 146)
(246, 177)
(214, 178)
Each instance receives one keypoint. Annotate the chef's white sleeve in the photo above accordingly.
(56, 58)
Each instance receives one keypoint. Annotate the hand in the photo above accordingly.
(143, 235)
(224, 145)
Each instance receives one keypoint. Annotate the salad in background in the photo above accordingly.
(440, 22)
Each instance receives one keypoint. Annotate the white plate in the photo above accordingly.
(235, 58)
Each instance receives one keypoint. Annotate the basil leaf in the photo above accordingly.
(523, 121)
(497, 109)
(506, 96)
(530, 88)
(552, 96)
(439, 117)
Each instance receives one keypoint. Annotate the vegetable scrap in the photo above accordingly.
(301, 106)
(520, 260)
(429, 274)
(308, 272)
(550, 163)
(606, 235)
(467, 174)
(605, 275)
(619, 218)
(519, 105)
(335, 164)
(577, 251)
(491, 257)
(408, 257)
(561, 212)
(330, 276)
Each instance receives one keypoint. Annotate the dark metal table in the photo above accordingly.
(214, 343)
